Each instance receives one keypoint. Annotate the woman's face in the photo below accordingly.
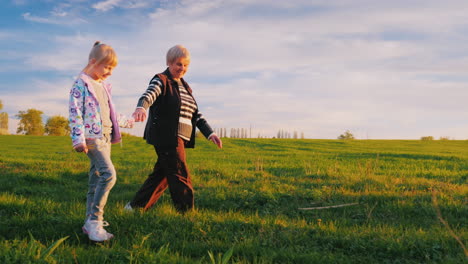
(179, 67)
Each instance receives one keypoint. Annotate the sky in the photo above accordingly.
(380, 69)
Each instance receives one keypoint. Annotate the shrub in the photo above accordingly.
(427, 138)
(346, 135)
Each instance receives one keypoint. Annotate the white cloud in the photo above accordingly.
(20, 2)
(32, 18)
(385, 70)
(106, 5)
(6, 35)
(49, 96)
(57, 17)
(59, 13)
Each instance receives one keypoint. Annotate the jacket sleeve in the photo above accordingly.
(151, 94)
(203, 125)
(76, 113)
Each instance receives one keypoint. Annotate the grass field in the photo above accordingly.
(407, 203)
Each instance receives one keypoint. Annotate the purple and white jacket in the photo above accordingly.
(85, 114)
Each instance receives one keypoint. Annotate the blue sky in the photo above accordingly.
(381, 69)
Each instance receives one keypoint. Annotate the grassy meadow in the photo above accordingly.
(402, 201)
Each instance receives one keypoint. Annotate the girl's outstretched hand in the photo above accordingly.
(215, 139)
(81, 148)
(139, 115)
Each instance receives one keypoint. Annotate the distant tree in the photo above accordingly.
(57, 126)
(302, 135)
(30, 122)
(3, 121)
(286, 134)
(346, 135)
(427, 138)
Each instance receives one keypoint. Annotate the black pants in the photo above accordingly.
(169, 171)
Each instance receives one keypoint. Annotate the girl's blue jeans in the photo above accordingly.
(102, 177)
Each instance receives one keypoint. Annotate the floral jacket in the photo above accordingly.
(85, 114)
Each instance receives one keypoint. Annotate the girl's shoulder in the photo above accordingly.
(79, 83)
(84, 79)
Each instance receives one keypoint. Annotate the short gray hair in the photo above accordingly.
(178, 51)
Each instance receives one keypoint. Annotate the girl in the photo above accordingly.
(94, 126)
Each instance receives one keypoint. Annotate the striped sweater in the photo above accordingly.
(187, 108)
(162, 98)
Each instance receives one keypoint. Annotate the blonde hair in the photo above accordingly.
(103, 54)
(178, 51)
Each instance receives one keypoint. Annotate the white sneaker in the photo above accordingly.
(95, 231)
(128, 207)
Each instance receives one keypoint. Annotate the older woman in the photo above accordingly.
(172, 118)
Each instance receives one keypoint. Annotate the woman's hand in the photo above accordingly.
(139, 114)
(81, 148)
(215, 139)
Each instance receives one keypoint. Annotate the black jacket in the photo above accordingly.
(163, 118)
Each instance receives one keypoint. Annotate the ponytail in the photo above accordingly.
(102, 53)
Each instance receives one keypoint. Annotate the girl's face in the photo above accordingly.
(100, 72)
(179, 67)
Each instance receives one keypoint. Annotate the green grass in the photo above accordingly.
(247, 199)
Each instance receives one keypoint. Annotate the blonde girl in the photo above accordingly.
(94, 127)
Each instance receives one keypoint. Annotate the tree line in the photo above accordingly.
(30, 123)
(247, 133)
